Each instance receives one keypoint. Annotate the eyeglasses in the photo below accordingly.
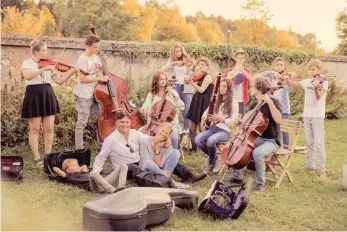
(131, 149)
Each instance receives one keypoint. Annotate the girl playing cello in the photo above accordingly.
(159, 88)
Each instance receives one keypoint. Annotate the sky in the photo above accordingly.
(302, 16)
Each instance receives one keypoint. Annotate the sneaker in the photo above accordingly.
(308, 169)
(323, 176)
(208, 168)
(217, 166)
(259, 188)
(198, 177)
(180, 185)
(236, 181)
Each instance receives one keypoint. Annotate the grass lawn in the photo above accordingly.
(306, 204)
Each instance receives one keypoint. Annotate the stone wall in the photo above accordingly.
(14, 49)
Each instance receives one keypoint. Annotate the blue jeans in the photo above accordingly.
(174, 139)
(285, 135)
(187, 99)
(207, 141)
(168, 163)
(262, 148)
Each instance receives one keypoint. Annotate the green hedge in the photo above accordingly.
(220, 53)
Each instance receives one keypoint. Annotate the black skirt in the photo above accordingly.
(39, 101)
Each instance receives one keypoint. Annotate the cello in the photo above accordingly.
(113, 96)
(162, 111)
(238, 151)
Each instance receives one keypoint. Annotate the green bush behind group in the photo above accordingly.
(14, 129)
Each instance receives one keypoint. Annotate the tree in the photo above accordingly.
(170, 25)
(16, 3)
(32, 21)
(145, 18)
(341, 27)
(259, 14)
(209, 32)
(111, 22)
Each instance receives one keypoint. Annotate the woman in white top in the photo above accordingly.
(224, 116)
(40, 102)
(159, 87)
(178, 66)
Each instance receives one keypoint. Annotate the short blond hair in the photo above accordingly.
(67, 163)
(315, 62)
(167, 124)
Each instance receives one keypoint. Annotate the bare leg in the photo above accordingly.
(48, 132)
(34, 130)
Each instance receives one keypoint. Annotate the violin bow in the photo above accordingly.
(200, 68)
(188, 56)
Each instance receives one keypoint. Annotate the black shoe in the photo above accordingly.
(198, 177)
(236, 181)
(119, 189)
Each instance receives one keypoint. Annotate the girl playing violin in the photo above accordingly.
(201, 98)
(159, 87)
(178, 66)
(40, 103)
(224, 116)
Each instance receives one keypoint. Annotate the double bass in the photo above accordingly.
(238, 151)
(113, 96)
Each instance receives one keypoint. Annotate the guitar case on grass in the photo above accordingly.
(224, 201)
(56, 159)
(135, 208)
(12, 168)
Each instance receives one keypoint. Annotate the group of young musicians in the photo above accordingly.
(188, 86)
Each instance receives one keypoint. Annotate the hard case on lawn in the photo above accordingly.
(135, 208)
(12, 168)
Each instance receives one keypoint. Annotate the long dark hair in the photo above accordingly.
(227, 107)
(155, 81)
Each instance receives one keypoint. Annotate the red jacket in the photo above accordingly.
(244, 82)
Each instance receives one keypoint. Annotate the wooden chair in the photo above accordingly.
(279, 162)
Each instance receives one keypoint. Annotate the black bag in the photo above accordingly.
(12, 168)
(149, 179)
(224, 202)
(56, 159)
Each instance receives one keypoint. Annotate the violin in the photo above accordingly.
(187, 60)
(59, 65)
(321, 79)
(199, 76)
